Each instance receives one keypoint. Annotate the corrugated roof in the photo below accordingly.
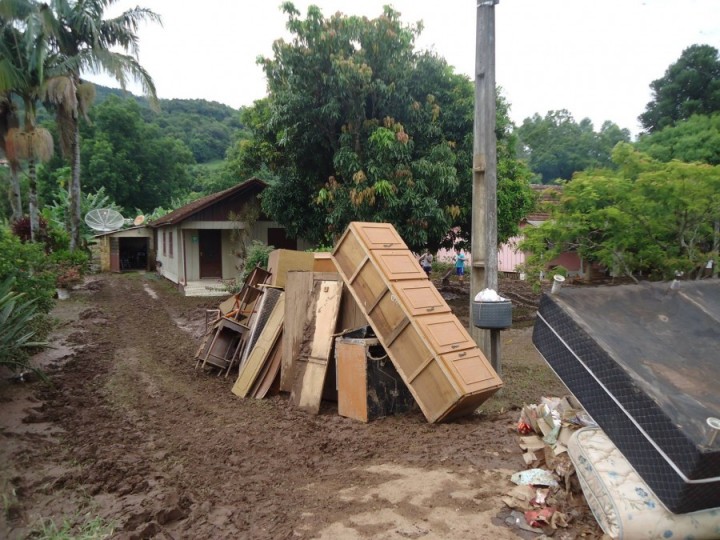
(184, 212)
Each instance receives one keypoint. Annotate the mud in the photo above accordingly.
(130, 432)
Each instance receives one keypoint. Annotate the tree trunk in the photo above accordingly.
(75, 189)
(34, 219)
(15, 195)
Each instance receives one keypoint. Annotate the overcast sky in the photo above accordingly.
(595, 58)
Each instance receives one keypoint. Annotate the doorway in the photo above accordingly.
(210, 253)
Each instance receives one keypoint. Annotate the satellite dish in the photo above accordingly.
(104, 219)
(139, 220)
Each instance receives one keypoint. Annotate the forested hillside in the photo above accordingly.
(206, 127)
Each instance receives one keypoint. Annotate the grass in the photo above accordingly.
(79, 528)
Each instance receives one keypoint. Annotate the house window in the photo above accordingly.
(170, 246)
(164, 251)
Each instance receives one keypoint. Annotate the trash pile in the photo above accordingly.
(546, 496)
(280, 332)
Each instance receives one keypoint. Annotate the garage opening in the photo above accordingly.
(133, 254)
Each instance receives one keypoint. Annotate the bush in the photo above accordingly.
(32, 271)
(257, 255)
(69, 266)
(16, 327)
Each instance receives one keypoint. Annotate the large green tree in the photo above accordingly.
(690, 86)
(694, 139)
(137, 164)
(85, 40)
(557, 146)
(643, 218)
(360, 126)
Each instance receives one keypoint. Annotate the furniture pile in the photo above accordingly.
(643, 362)
(363, 326)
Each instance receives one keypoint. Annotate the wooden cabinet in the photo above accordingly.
(434, 354)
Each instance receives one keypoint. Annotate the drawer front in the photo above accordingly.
(445, 333)
(378, 235)
(471, 370)
(398, 265)
(420, 297)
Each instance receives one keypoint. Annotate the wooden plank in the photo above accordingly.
(250, 369)
(269, 374)
(298, 293)
(312, 364)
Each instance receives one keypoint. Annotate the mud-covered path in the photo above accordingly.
(130, 432)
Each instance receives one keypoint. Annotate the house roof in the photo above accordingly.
(546, 195)
(184, 212)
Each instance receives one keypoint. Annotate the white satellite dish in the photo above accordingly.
(104, 219)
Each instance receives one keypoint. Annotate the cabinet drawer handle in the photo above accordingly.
(387, 245)
(455, 346)
(431, 308)
(464, 353)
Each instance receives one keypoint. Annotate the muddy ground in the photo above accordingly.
(131, 436)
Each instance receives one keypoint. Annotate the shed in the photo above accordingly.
(126, 249)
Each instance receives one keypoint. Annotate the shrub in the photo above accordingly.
(16, 327)
(30, 267)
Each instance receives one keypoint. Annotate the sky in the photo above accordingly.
(595, 58)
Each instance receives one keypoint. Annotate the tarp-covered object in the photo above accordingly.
(644, 361)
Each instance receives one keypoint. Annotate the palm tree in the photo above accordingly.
(23, 62)
(85, 41)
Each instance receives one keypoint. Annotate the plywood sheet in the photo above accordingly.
(250, 369)
(298, 295)
(270, 373)
(282, 261)
(311, 366)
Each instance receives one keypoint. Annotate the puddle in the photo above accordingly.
(148, 290)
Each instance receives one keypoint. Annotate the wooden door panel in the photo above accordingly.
(421, 297)
(379, 236)
(397, 265)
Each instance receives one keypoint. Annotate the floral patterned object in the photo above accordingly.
(621, 501)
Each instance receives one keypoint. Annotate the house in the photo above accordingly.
(511, 259)
(202, 244)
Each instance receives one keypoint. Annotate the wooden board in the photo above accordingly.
(282, 261)
(434, 354)
(311, 365)
(270, 373)
(259, 354)
(369, 387)
(298, 294)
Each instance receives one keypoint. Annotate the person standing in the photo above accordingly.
(426, 262)
(460, 265)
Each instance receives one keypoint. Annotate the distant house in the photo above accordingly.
(200, 245)
(510, 258)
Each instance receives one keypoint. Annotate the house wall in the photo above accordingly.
(186, 242)
(509, 256)
(169, 267)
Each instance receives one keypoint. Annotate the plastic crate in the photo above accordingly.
(492, 315)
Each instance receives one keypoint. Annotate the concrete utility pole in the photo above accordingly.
(483, 272)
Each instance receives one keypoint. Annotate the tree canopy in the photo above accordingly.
(645, 218)
(137, 164)
(690, 86)
(694, 139)
(360, 126)
(557, 146)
